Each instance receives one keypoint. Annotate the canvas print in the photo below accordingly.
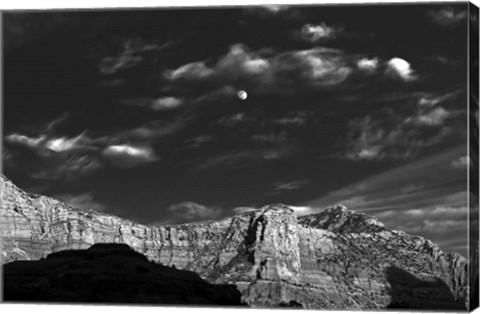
(305, 156)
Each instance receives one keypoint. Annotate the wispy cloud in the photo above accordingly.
(430, 100)
(155, 129)
(282, 186)
(55, 158)
(275, 8)
(156, 104)
(67, 167)
(190, 71)
(461, 162)
(401, 135)
(129, 56)
(128, 156)
(199, 140)
(411, 188)
(25, 140)
(238, 159)
(448, 16)
(369, 139)
(46, 143)
(83, 201)
(63, 144)
(434, 117)
(70, 158)
(294, 119)
(194, 212)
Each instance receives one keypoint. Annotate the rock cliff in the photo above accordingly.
(336, 259)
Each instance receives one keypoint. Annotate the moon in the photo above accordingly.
(242, 95)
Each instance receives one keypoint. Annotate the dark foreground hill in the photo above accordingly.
(109, 273)
(335, 259)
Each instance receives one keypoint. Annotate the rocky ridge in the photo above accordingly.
(336, 259)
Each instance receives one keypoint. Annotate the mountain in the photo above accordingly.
(336, 259)
(109, 273)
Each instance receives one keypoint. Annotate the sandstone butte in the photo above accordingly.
(335, 259)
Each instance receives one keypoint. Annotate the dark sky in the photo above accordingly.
(137, 113)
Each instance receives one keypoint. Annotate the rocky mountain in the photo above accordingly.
(109, 273)
(336, 259)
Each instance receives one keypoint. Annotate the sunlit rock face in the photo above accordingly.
(336, 259)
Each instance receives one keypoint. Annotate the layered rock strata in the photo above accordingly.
(336, 259)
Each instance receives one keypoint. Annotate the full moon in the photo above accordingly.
(242, 95)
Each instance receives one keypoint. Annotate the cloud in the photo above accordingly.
(448, 16)
(238, 159)
(111, 65)
(302, 210)
(128, 156)
(199, 140)
(234, 119)
(264, 71)
(56, 123)
(273, 11)
(316, 33)
(67, 167)
(238, 62)
(368, 64)
(66, 158)
(370, 139)
(434, 117)
(296, 119)
(240, 58)
(157, 104)
(275, 8)
(46, 144)
(31, 142)
(129, 56)
(410, 188)
(190, 71)
(400, 68)
(155, 129)
(63, 144)
(461, 162)
(194, 212)
(274, 138)
(322, 66)
(240, 210)
(431, 100)
(402, 134)
(54, 158)
(84, 201)
(289, 185)
(434, 220)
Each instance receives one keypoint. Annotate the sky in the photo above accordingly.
(170, 116)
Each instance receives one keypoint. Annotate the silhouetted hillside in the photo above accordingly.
(109, 273)
(410, 292)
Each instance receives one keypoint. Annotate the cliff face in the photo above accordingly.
(337, 259)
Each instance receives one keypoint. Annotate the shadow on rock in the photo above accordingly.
(410, 292)
(109, 273)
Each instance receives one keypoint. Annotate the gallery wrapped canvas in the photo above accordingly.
(306, 156)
